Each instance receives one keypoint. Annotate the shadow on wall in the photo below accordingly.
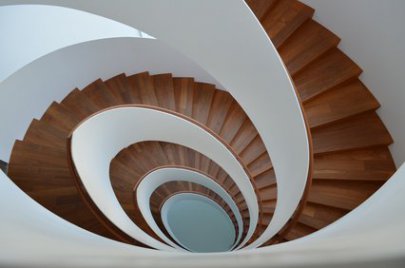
(3, 166)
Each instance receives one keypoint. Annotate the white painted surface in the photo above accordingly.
(163, 175)
(372, 235)
(33, 88)
(181, 214)
(120, 127)
(29, 32)
(31, 234)
(246, 64)
(373, 35)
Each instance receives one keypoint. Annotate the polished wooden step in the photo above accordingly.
(261, 7)
(340, 103)
(164, 91)
(308, 43)
(284, 18)
(358, 132)
(120, 87)
(330, 70)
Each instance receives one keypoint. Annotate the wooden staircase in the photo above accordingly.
(132, 164)
(44, 145)
(351, 156)
(350, 142)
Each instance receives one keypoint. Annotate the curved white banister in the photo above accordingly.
(224, 230)
(246, 64)
(98, 139)
(163, 175)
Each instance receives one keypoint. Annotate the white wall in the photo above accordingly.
(50, 78)
(31, 31)
(373, 35)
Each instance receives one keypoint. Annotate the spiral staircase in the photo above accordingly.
(348, 155)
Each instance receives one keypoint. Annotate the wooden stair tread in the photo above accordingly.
(265, 179)
(37, 155)
(202, 100)
(330, 70)
(121, 88)
(319, 216)
(307, 43)
(80, 103)
(345, 195)
(164, 91)
(260, 164)
(298, 231)
(233, 122)
(359, 132)
(60, 117)
(284, 18)
(253, 151)
(367, 164)
(340, 103)
(41, 133)
(268, 194)
(260, 7)
(221, 104)
(245, 135)
(183, 92)
(100, 94)
(142, 84)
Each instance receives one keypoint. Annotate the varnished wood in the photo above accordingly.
(361, 131)
(202, 100)
(340, 103)
(261, 7)
(350, 141)
(308, 43)
(332, 69)
(120, 87)
(284, 18)
(164, 90)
